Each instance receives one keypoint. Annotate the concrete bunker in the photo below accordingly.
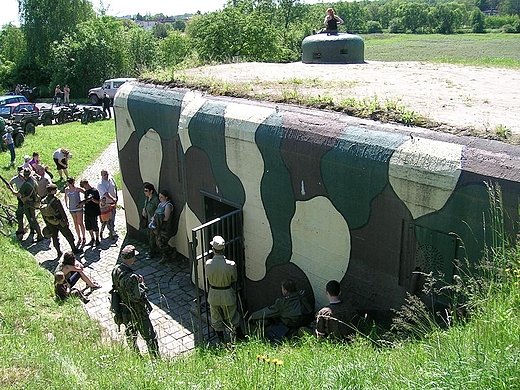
(340, 48)
(323, 195)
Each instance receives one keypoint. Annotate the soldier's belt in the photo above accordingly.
(220, 288)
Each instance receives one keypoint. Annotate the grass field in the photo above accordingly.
(493, 49)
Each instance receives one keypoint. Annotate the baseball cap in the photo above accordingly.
(218, 243)
(51, 186)
(128, 252)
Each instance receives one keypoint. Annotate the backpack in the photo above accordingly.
(121, 312)
(116, 307)
(48, 211)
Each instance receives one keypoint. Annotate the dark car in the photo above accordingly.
(10, 109)
(7, 99)
(24, 113)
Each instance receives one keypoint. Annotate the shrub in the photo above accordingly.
(508, 28)
(374, 27)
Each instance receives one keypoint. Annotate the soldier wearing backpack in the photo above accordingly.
(27, 194)
(56, 220)
(132, 292)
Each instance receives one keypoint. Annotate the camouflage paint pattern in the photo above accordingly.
(324, 196)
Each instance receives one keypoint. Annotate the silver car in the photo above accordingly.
(109, 87)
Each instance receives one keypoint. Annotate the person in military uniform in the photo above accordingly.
(221, 273)
(334, 320)
(27, 194)
(292, 310)
(132, 290)
(56, 220)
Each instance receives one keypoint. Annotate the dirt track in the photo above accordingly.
(466, 100)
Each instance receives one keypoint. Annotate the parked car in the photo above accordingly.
(110, 86)
(25, 114)
(7, 99)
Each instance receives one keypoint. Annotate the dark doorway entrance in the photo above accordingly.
(217, 207)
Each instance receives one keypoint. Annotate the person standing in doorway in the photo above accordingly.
(221, 274)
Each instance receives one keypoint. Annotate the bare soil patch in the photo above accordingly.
(462, 100)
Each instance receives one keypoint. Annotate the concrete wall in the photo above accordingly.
(324, 196)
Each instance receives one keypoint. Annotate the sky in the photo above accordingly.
(9, 8)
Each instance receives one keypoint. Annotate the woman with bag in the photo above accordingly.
(162, 226)
(150, 205)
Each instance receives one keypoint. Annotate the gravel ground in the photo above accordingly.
(464, 100)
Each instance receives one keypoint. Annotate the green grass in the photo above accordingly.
(85, 142)
(45, 345)
(489, 50)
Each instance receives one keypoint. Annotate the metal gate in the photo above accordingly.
(230, 227)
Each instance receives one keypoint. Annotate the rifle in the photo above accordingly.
(7, 184)
(5, 181)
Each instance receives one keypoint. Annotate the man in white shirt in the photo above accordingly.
(107, 188)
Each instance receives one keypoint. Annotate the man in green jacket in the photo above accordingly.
(132, 290)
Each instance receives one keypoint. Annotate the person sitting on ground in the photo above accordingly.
(335, 319)
(73, 271)
(331, 22)
(63, 290)
(292, 310)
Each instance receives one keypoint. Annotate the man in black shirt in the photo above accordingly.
(92, 211)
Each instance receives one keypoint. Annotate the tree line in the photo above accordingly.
(67, 42)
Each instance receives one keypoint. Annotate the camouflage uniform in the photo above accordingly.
(136, 317)
(29, 197)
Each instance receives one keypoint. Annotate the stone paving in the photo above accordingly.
(171, 291)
